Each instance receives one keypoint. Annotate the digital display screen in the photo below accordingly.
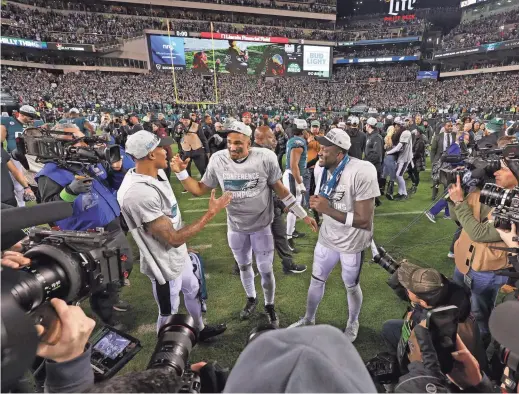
(111, 345)
(239, 57)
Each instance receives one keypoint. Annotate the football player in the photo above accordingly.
(250, 174)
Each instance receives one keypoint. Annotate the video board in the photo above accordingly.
(239, 57)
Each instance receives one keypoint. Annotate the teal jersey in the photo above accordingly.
(297, 142)
(14, 126)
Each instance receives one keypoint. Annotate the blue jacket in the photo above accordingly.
(91, 210)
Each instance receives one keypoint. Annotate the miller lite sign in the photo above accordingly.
(397, 6)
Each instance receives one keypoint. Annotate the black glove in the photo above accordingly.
(80, 185)
(213, 378)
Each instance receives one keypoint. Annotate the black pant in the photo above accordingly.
(199, 157)
(280, 160)
(414, 174)
(279, 232)
(391, 333)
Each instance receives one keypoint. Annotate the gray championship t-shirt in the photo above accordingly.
(143, 199)
(357, 183)
(251, 208)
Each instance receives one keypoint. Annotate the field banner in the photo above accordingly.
(244, 37)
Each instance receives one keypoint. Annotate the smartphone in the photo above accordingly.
(442, 324)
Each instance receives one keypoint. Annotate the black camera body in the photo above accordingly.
(69, 265)
(45, 145)
(66, 264)
(505, 203)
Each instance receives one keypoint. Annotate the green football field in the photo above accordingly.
(424, 243)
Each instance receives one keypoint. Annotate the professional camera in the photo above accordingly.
(69, 265)
(505, 203)
(176, 339)
(387, 262)
(46, 147)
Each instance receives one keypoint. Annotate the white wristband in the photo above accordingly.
(289, 200)
(349, 219)
(298, 210)
(182, 175)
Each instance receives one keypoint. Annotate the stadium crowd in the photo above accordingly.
(74, 60)
(366, 52)
(493, 28)
(99, 28)
(349, 86)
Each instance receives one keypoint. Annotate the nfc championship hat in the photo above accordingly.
(238, 127)
(29, 111)
(337, 137)
(143, 142)
(419, 280)
(372, 121)
(300, 124)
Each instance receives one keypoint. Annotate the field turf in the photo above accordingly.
(424, 243)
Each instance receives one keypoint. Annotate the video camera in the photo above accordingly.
(473, 170)
(46, 146)
(69, 265)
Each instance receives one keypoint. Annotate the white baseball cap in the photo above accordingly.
(301, 124)
(341, 125)
(389, 116)
(398, 120)
(238, 127)
(143, 142)
(372, 121)
(337, 137)
(354, 120)
(74, 111)
(29, 111)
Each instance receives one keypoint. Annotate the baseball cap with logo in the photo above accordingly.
(419, 280)
(74, 111)
(337, 137)
(315, 123)
(300, 124)
(341, 125)
(238, 127)
(354, 120)
(372, 121)
(399, 120)
(143, 142)
(29, 111)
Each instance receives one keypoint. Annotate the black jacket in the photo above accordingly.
(358, 142)
(374, 152)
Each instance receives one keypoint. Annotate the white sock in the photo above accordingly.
(315, 295)
(354, 302)
(247, 280)
(268, 282)
(291, 224)
(195, 310)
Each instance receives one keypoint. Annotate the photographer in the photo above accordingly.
(474, 258)
(91, 191)
(427, 289)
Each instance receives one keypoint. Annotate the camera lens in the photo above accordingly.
(386, 261)
(42, 281)
(176, 339)
(494, 196)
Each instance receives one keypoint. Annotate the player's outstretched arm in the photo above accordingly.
(162, 227)
(290, 202)
(191, 185)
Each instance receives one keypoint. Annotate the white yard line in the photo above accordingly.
(201, 247)
(199, 198)
(193, 210)
(398, 213)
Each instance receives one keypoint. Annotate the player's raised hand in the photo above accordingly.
(312, 223)
(217, 204)
(178, 165)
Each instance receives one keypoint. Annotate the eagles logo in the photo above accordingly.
(250, 184)
(337, 196)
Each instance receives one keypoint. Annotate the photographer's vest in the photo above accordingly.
(477, 255)
(191, 141)
(90, 210)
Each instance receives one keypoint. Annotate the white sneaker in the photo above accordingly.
(302, 322)
(450, 255)
(430, 216)
(352, 330)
